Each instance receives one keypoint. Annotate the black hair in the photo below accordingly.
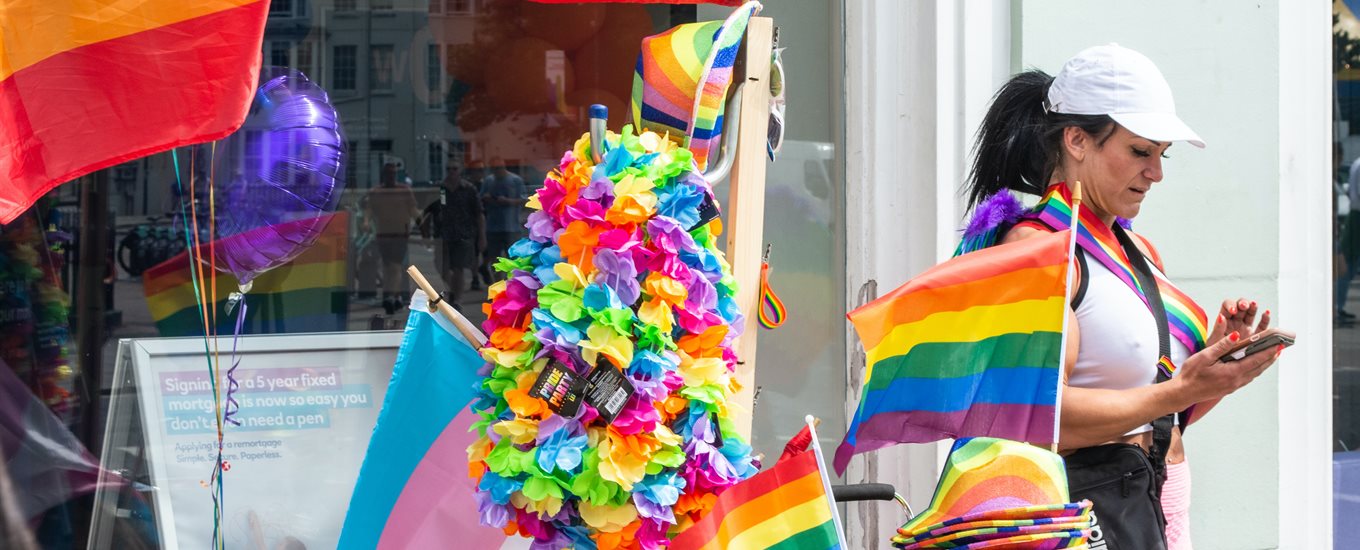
(1019, 142)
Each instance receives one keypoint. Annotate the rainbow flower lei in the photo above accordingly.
(610, 276)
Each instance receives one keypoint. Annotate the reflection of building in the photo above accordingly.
(383, 67)
(383, 64)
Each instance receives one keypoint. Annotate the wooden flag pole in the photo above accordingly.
(464, 326)
(746, 205)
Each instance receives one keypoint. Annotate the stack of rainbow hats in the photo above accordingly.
(996, 493)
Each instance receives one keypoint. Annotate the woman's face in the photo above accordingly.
(1115, 175)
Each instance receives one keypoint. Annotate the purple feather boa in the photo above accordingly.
(1000, 208)
(1003, 208)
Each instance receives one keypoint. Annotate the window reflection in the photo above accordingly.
(453, 111)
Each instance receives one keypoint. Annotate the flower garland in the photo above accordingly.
(34, 312)
(611, 277)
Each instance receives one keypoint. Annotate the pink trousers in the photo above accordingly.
(1176, 506)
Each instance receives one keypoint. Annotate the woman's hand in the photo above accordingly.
(1203, 377)
(1238, 316)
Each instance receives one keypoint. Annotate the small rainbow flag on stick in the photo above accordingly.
(788, 506)
(308, 294)
(971, 347)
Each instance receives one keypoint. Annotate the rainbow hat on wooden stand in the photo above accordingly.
(997, 493)
(682, 79)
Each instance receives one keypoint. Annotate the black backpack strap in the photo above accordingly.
(1083, 279)
(1161, 427)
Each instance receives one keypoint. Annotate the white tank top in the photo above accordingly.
(1119, 343)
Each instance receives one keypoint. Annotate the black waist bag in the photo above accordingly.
(1125, 493)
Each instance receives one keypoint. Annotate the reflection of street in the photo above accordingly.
(364, 313)
(1346, 379)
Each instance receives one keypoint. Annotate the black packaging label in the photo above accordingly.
(561, 388)
(608, 390)
(708, 211)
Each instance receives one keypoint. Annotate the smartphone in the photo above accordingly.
(1261, 341)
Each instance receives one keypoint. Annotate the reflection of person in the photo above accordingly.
(1041, 133)
(456, 220)
(1350, 246)
(257, 536)
(391, 208)
(504, 195)
(14, 531)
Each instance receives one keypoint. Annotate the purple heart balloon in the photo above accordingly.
(278, 178)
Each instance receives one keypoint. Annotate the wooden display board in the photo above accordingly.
(746, 204)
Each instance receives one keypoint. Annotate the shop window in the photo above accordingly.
(343, 70)
(304, 58)
(458, 7)
(381, 68)
(435, 161)
(281, 8)
(465, 104)
(435, 76)
(279, 55)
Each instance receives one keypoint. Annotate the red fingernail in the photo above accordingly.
(1278, 350)
(1233, 337)
(1266, 313)
(1232, 311)
(1220, 318)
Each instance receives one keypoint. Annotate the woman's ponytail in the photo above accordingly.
(1012, 149)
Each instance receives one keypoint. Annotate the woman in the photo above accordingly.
(1106, 121)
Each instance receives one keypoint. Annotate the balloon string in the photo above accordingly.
(232, 406)
(225, 417)
(208, 311)
(198, 296)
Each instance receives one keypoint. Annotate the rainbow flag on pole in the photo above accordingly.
(413, 489)
(87, 84)
(308, 294)
(971, 347)
(788, 506)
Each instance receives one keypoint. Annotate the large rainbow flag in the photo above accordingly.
(413, 489)
(87, 84)
(784, 507)
(971, 347)
(308, 294)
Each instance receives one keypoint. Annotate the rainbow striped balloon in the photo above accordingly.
(682, 79)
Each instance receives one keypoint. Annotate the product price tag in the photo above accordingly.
(561, 388)
(708, 211)
(608, 390)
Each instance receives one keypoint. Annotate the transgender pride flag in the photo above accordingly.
(413, 489)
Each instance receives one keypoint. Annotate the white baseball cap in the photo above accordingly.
(1124, 84)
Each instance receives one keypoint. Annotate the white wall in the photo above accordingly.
(1244, 217)
(918, 76)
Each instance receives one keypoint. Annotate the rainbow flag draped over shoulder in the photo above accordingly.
(1186, 321)
(784, 507)
(87, 84)
(308, 294)
(971, 347)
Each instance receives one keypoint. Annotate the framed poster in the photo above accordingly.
(308, 404)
